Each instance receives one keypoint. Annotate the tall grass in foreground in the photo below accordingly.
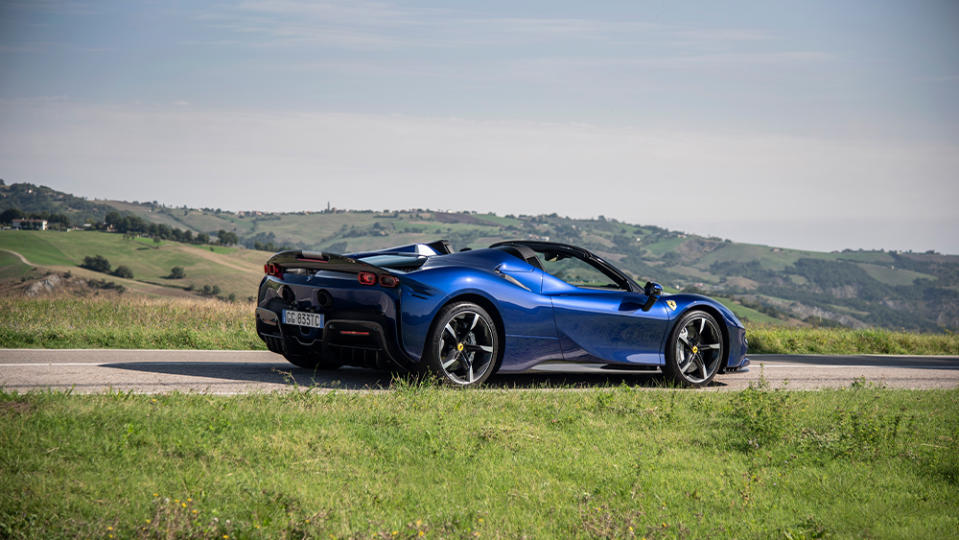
(187, 323)
(127, 322)
(419, 461)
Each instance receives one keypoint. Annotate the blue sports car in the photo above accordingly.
(463, 316)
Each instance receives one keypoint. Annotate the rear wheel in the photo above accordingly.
(694, 351)
(463, 345)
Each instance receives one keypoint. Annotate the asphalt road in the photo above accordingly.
(233, 372)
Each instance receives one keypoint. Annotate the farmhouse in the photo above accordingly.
(30, 224)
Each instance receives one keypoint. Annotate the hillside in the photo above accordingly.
(916, 291)
(235, 271)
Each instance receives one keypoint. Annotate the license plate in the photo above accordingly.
(302, 318)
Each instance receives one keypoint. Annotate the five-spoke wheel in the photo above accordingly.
(694, 352)
(463, 345)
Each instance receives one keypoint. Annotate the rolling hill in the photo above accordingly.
(235, 271)
(916, 291)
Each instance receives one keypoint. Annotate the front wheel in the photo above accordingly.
(694, 351)
(462, 346)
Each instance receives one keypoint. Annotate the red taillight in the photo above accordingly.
(387, 280)
(354, 333)
(366, 278)
(273, 270)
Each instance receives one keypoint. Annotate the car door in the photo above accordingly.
(598, 321)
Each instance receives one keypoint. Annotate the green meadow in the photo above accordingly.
(416, 461)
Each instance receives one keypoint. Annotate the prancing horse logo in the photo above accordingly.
(671, 304)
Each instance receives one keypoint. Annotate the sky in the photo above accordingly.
(809, 124)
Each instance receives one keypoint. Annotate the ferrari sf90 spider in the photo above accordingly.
(463, 316)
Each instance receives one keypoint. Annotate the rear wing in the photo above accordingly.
(287, 261)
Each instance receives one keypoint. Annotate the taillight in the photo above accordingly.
(273, 270)
(366, 278)
(389, 281)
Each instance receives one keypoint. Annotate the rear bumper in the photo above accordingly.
(361, 343)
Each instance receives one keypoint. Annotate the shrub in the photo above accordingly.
(177, 272)
(97, 263)
(123, 271)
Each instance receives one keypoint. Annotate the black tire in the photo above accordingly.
(463, 346)
(694, 352)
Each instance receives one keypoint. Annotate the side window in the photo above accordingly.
(576, 272)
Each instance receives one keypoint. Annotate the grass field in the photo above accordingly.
(422, 462)
(11, 267)
(778, 339)
(138, 322)
(127, 323)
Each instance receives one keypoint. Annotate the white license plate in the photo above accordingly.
(302, 318)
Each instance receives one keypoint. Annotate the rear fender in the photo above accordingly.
(520, 312)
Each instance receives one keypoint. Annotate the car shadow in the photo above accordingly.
(351, 378)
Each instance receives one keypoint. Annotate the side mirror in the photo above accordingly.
(652, 291)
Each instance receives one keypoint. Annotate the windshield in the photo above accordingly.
(403, 262)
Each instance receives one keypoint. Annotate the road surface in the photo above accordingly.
(236, 372)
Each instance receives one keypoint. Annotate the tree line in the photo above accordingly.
(126, 224)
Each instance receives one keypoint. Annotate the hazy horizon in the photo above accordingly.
(812, 125)
(775, 234)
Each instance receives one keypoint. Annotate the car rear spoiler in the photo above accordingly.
(318, 260)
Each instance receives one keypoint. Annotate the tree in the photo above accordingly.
(123, 271)
(10, 214)
(215, 291)
(97, 263)
(226, 238)
(177, 272)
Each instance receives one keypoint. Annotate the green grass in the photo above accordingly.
(11, 267)
(126, 323)
(608, 463)
(773, 339)
(137, 322)
(896, 277)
